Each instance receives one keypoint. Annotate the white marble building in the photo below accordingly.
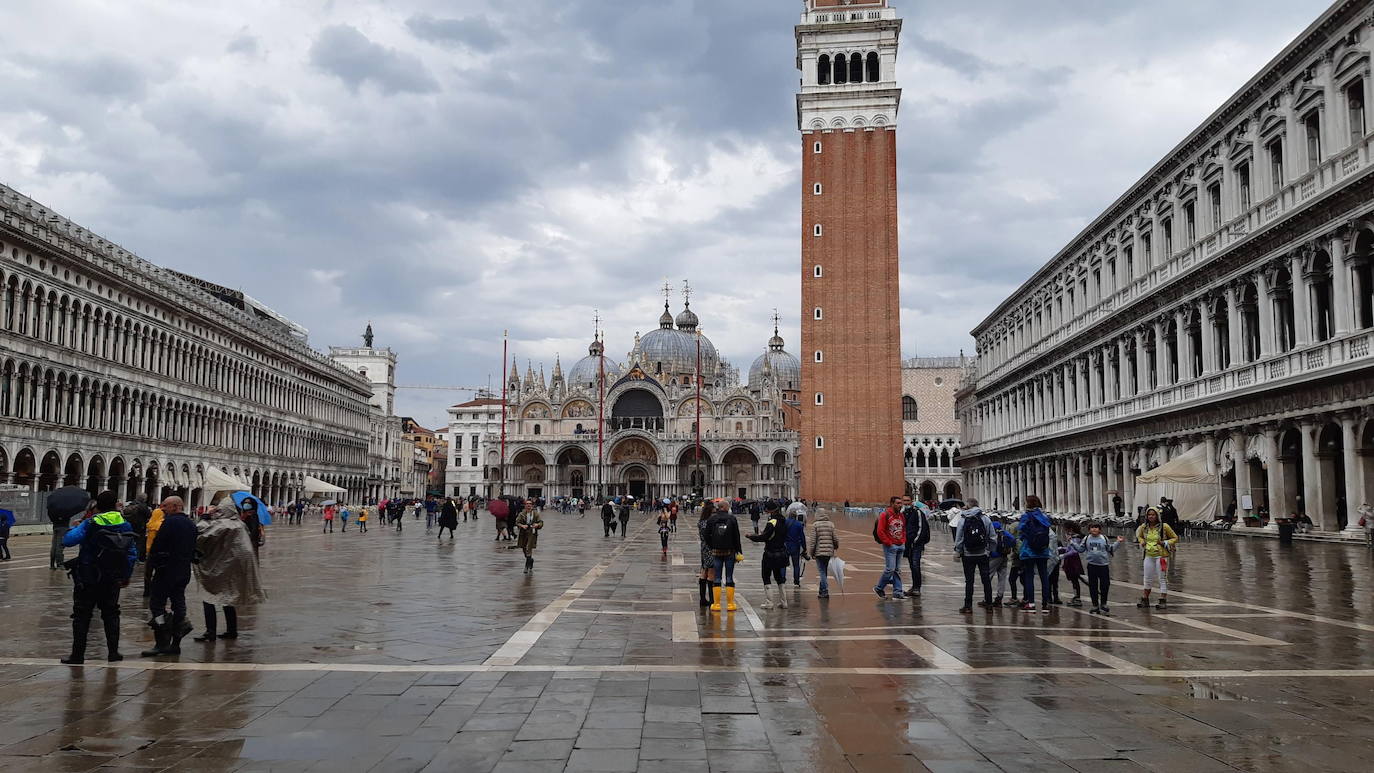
(1222, 303)
(116, 373)
(650, 409)
(474, 430)
(390, 466)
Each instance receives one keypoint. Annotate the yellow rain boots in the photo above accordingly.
(715, 594)
(730, 598)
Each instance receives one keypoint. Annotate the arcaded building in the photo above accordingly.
(851, 441)
(1218, 313)
(118, 373)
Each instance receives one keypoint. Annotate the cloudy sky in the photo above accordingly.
(450, 169)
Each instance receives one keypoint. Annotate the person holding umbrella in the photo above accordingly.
(227, 572)
(254, 514)
(63, 505)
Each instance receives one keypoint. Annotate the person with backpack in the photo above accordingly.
(103, 565)
(917, 537)
(999, 557)
(774, 562)
(973, 543)
(726, 549)
(1157, 539)
(890, 532)
(170, 553)
(825, 543)
(1035, 551)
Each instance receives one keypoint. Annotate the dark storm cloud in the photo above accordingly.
(347, 53)
(475, 33)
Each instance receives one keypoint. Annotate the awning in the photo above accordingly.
(1185, 480)
(313, 485)
(217, 480)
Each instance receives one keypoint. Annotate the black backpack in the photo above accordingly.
(975, 535)
(720, 535)
(109, 558)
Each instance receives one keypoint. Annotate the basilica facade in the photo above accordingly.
(1214, 327)
(631, 428)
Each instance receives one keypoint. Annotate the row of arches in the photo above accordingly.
(45, 470)
(852, 68)
(1321, 466)
(28, 308)
(35, 392)
(635, 466)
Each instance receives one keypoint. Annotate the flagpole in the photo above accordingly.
(505, 385)
(698, 424)
(601, 418)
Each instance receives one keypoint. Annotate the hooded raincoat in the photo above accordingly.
(228, 570)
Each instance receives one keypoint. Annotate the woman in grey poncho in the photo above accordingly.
(227, 571)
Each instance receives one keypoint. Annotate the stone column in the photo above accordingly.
(1354, 485)
(1099, 490)
(1311, 475)
(1209, 339)
(1265, 299)
(1182, 350)
(1242, 468)
(1302, 318)
(1142, 369)
(1085, 484)
(1123, 385)
(1128, 482)
(1233, 337)
(1161, 360)
(1081, 366)
(1341, 306)
(1278, 508)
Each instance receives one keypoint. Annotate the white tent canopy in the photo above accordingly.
(217, 480)
(313, 485)
(1186, 480)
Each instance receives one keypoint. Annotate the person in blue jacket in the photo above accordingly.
(1035, 540)
(6, 523)
(98, 574)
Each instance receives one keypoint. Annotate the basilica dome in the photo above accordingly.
(668, 351)
(785, 369)
(584, 373)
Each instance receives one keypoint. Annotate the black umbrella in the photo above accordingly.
(68, 501)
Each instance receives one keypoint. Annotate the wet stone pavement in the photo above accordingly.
(398, 652)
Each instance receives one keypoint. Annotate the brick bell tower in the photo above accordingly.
(851, 445)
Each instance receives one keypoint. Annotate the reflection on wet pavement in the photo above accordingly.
(398, 652)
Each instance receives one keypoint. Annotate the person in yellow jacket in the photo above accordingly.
(362, 521)
(154, 523)
(1158, 541)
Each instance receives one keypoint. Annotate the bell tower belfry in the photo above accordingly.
(851, 444)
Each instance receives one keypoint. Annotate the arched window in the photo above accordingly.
(536, 429)
(872, 67)
(841, 69)
(909, 408)
(817, 271)
(823, 70)
(856, 68)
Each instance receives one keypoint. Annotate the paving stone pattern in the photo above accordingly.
(399, 652)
